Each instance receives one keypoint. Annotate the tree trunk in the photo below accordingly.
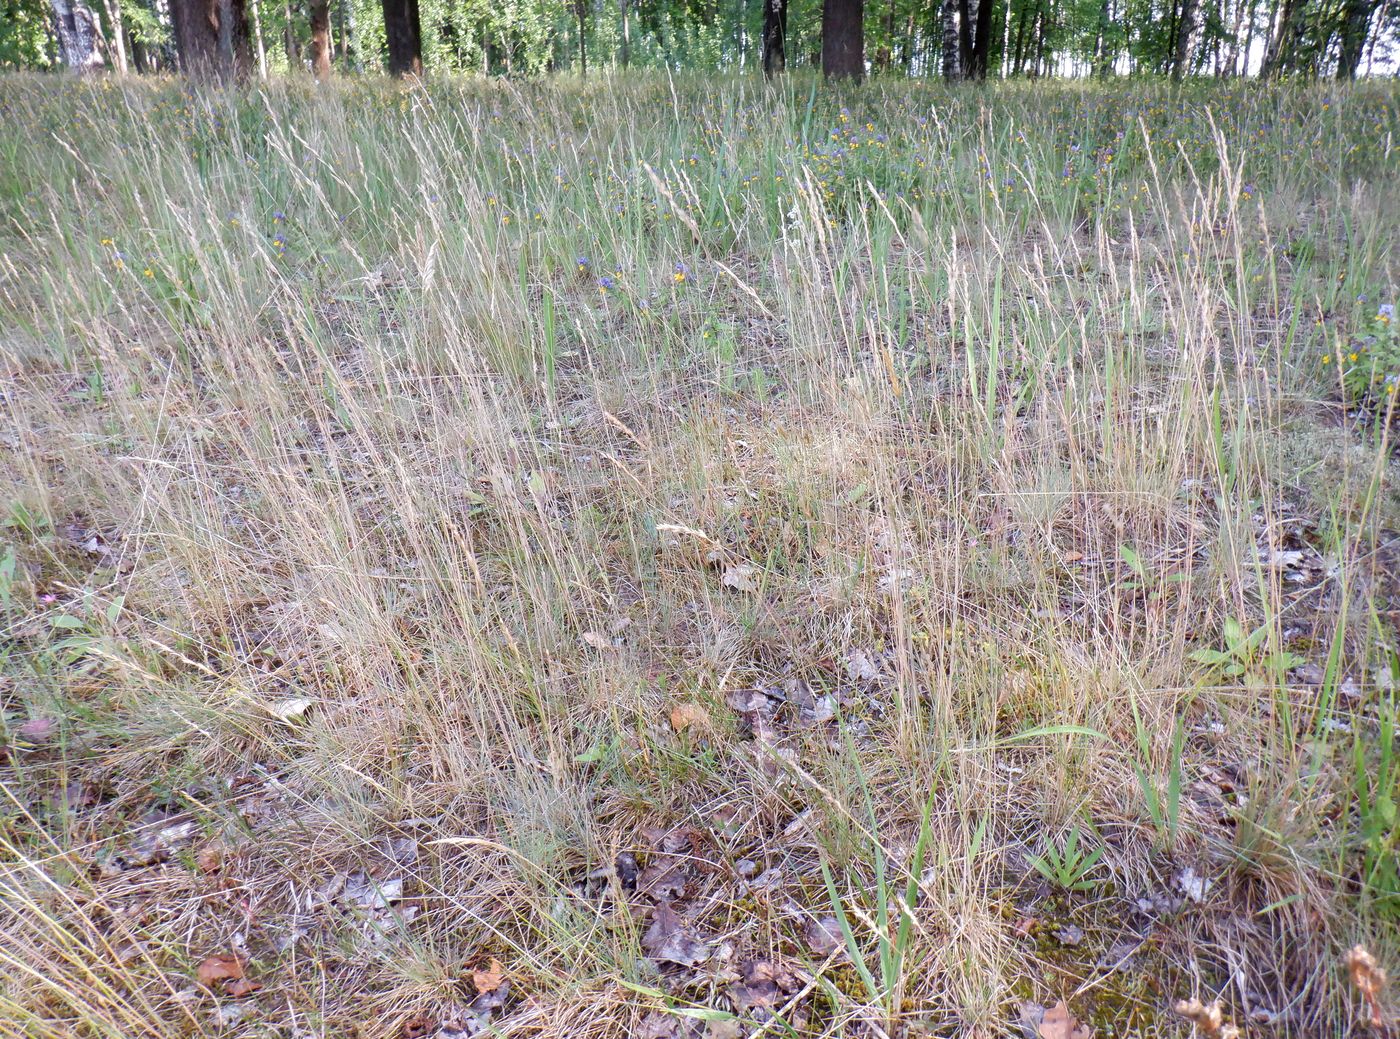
(349, 39)
(967, 14)
(774, 37)
(211, 39)
(1102, 61)
(1278, 56)
(843, 39)
(75, 26)
(952, 45)
(625, 9)
(1382, 19)
(581, 12)
(321, 39)
(1163, 64)
(884, 54)
(1185, 29)
(1232, 53)
(980, 43)
(1042, 30)
(1018, 64)
(255, 16)
(114, 21)
(404, 35)
(290, 48)
(1355, 26)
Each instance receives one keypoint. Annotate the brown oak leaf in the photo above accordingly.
(488, 979)
(219, 969)
(1059, 1023)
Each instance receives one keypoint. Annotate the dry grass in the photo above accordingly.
(429, 508)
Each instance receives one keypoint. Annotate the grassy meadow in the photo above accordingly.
(679, 557)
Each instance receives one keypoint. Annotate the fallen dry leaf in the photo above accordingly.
(227, 1015)
(219, 969)
(37, 730)
(740, 577)
(1193, 885)
(209, 859)
(1209, 1020)
(763, 985)
(596, 641)
(368, 893)
(1059, 1023)
(1368, 978)
(240, 987)
(483, 1004)
(663, 880)
(823, 935)
(290, 709)
(417, 1027)
(668, 940)
(860, 667)
(690, 715)
(489, 978)
(661, 1025)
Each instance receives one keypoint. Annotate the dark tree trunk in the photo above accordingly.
(581, 16)
(1185, 28)
(843, 39)
(1163, 63)
(976, 38)
(1020, 53)
(1103, 61)
(966, 15)
(774, 36)
(211, 39)
(403, 32)
(1232, 52)
(1278, 56)
(1355, 26)
(581, 13)
(1042, 30)
(321, 39)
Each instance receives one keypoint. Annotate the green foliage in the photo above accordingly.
(1375, 781)
(1163, 805)
(24, 34)
(1369, 367)
(893, 915)
(1068, 866)
(1246, 655)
